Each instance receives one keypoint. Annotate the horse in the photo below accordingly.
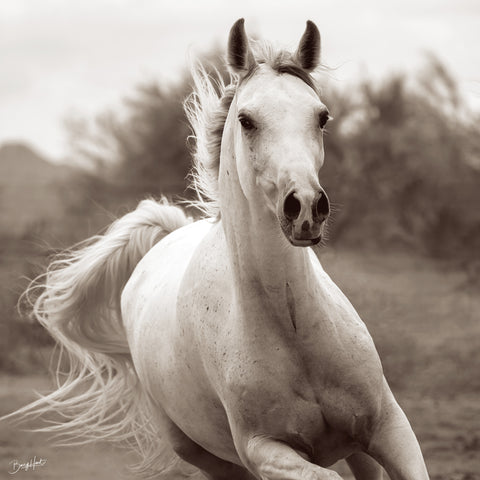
(221, 345)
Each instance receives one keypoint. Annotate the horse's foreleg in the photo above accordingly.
(395, 446)
(269, 459)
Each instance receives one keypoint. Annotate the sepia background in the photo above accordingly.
(91, 121)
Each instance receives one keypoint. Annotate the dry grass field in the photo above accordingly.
(424, 317)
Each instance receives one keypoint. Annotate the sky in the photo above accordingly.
(64, 59)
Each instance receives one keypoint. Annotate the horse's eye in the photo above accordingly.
(246, 123)
(323, 118)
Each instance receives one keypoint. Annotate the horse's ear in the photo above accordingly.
(308, 51)
(240, 57)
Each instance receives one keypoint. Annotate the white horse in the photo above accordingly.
(227, 343)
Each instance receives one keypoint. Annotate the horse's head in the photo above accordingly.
(278, 121)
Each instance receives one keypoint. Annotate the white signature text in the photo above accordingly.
(32, 464)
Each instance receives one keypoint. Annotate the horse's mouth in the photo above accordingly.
(305, 242)
(303, 238)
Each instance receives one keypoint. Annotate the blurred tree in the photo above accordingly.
(408, 160)
(141, 150)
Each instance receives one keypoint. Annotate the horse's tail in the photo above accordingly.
(78, 302)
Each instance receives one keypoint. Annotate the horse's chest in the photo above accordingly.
(323, 401)
(279, 401)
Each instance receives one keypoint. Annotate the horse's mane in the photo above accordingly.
(207, 109)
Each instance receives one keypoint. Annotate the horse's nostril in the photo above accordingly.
(323, 206)
(291, 207)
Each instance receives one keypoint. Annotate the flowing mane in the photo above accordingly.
(207, 109)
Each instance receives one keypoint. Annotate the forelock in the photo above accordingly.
(280, 61)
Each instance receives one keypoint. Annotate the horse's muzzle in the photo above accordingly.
(303, 217)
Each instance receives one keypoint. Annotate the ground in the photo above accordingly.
(423, 316)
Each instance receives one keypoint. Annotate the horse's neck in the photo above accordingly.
(264, 264)
(259, 254)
